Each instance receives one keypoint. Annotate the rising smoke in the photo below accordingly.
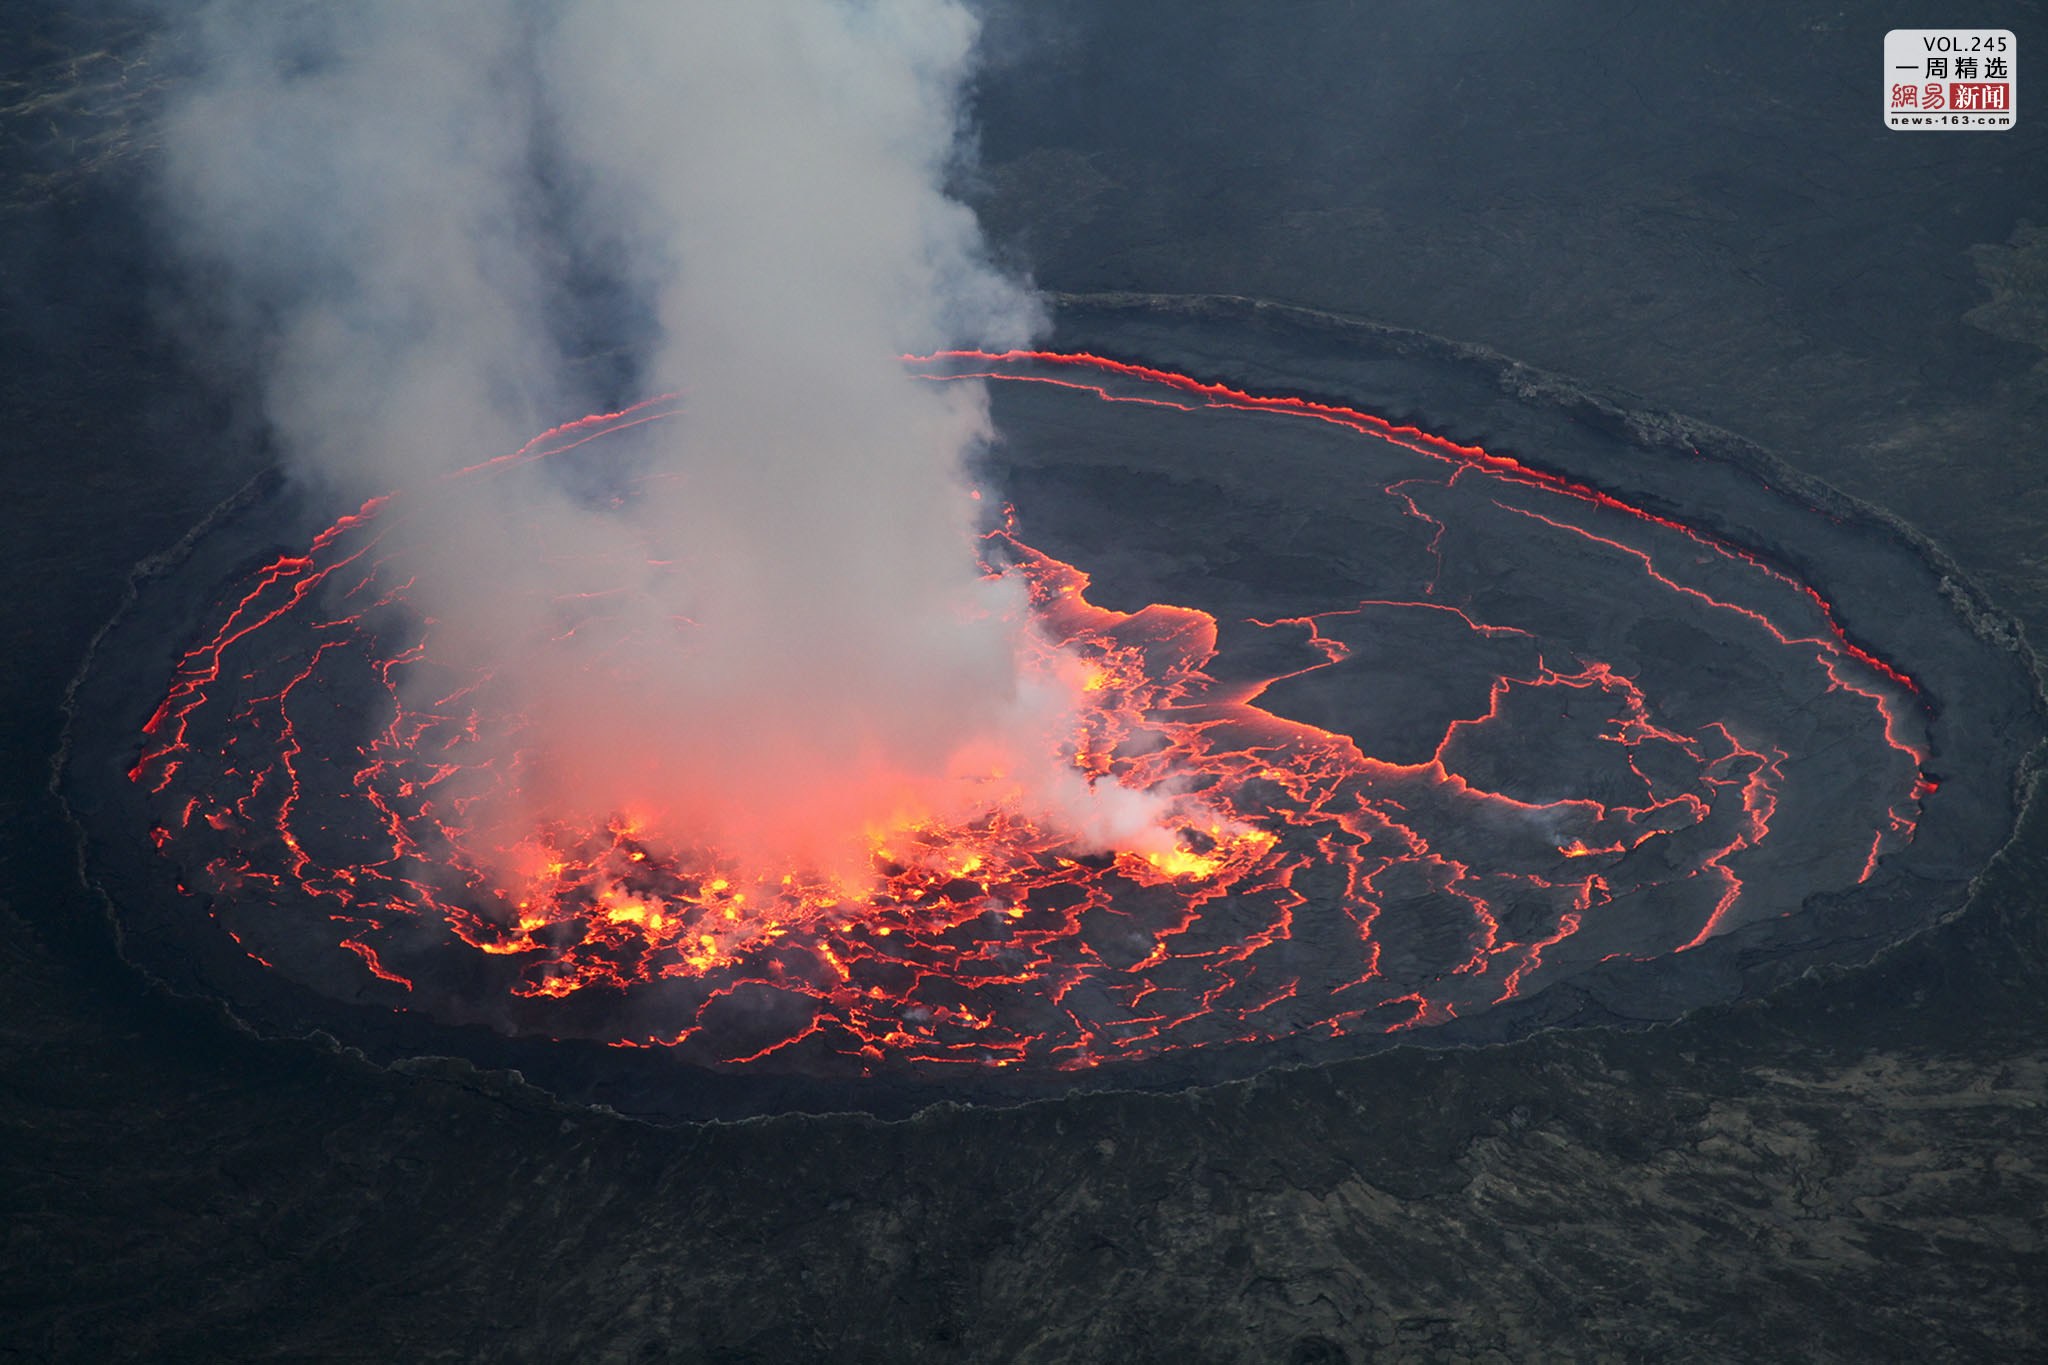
(391, 201)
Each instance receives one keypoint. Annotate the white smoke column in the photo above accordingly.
(781, 167)
(350, 182)
(769, 178)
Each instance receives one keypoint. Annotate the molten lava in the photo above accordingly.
(313, 767)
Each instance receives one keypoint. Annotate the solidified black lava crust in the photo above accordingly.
(1246, 516)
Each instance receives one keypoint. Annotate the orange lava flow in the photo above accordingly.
(1311, 889)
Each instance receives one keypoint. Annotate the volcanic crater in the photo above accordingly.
(1484, 704)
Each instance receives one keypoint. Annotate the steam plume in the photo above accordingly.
(795, 644)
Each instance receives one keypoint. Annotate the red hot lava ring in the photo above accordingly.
(308, 795)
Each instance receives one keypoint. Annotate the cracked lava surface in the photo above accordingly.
(1432, 797)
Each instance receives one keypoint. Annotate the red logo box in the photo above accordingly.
(1993, 95)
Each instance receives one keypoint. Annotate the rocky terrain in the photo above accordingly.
(1699, 207)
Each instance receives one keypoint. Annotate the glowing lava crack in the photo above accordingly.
(1543, 809)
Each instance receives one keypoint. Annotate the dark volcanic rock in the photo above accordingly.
(1694, 204)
